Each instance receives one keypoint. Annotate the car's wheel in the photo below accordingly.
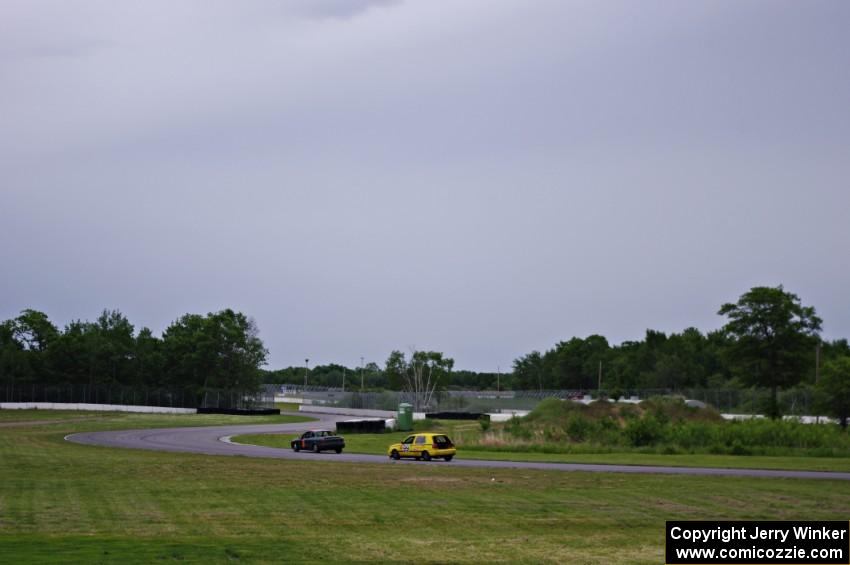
(338, 450)
(426, 456)
(315, 448)
(394, 455)
(448, 457)
(296, 447)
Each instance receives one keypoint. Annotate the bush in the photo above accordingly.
(484, 423)
(646, 431)
(578, 428)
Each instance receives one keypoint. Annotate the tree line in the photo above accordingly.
(216, 350)
(769, 340)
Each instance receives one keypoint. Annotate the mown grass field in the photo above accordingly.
(69, 503)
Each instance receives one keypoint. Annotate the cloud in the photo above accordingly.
(338, 9)
(364, 175)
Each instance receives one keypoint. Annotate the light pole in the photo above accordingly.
(306, 363)
(361, 374)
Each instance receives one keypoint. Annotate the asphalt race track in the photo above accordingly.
(216, 441)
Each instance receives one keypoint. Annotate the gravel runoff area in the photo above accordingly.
(215, 440)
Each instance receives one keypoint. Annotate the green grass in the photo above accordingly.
(35, 415)
(70, 503)
(287, 406)
(129, 420)
(377, 444)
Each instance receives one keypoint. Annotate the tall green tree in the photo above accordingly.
(772, 338)
(24, 342)
(148, 360)
(34, 330)
(528, 372)
(75, 354)
(835, 383)
(115, 346)
(11, 354)
(219, 350)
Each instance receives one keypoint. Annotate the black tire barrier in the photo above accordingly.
(456, 415)
(237, 412)
(362, 426)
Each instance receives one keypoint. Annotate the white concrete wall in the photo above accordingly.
(295, 400)
(94, 407)
(505, 416)
(801, 419)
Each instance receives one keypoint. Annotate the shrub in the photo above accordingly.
(645, 431)
(629, 412)
(738, 448)
(484, 423)
(578, 428)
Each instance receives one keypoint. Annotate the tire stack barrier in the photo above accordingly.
(362, 426)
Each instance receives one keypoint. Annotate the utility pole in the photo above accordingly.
(361, 374)
(498, 377)
(306, 362)
(343, 379)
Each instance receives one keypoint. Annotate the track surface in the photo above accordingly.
(216, 441)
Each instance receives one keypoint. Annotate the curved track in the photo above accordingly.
(216, 441)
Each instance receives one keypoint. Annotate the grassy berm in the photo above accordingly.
(68, 503)
(660, 425)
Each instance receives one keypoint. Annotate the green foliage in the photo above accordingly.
(484, 422)
(772, 336)
(421, 375)
(768, 342)
(644, 431)
(667, 425)
(220, 350)
(835, 383)
(578, 428)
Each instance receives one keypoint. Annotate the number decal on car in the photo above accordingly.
(405, 447)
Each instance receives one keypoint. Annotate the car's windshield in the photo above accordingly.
(408, 439)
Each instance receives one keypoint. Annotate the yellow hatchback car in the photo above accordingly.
(425, 446)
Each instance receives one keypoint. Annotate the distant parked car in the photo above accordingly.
(318, 440)
(423, 446)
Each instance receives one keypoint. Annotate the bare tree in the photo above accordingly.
(420, 376)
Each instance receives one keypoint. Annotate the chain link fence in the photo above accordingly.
(139, 396)
(794, 402)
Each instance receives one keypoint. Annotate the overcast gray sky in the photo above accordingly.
(482, 177)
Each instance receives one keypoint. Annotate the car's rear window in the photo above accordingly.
(442, 439)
